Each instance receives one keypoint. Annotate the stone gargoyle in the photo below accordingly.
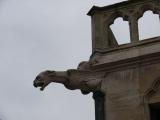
(85, 80)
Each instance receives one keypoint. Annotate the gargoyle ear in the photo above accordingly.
(49, 72)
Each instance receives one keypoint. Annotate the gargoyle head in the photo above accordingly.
(43, 79)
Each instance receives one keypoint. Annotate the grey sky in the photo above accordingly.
(37, 35)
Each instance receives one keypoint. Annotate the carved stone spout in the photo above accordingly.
(86, 81)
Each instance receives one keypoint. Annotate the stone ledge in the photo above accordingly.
(145, 52)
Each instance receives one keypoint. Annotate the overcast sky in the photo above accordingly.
(37, 35)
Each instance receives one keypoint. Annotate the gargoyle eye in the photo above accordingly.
(38, 77)
(48, 72)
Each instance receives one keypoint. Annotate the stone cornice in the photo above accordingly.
(126, 56)
(144, 42)
(115, 6)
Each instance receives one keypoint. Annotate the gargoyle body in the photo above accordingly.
(86, 81)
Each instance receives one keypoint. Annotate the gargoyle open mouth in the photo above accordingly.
(38, 83)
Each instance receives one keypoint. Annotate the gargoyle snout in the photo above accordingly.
(37, 82)
(42, 80)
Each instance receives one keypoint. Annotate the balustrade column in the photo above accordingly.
(134, 32)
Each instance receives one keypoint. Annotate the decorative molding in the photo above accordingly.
(145, 7)
(153, 89)
(114, 15)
